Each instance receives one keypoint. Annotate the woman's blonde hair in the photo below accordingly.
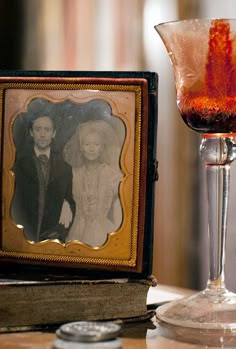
(111, 151)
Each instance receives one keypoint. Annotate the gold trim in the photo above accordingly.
(129, 261)
(70, 86)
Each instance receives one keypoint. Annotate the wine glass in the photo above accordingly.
(203, 56)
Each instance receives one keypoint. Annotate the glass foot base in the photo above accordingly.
(205, 310)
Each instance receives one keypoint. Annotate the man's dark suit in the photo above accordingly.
(25, 204)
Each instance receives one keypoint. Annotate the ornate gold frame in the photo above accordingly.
(124, 249)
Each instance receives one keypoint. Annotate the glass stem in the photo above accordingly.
(217, 153)
(218, 192)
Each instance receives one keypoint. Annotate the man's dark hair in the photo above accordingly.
(33, 118)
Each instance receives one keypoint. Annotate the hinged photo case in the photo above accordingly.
(78, 158)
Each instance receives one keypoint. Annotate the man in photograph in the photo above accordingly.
(43, 202)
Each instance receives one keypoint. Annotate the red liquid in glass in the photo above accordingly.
(213, 110)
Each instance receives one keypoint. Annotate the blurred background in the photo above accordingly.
(119, 35)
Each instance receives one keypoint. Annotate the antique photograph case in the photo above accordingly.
(78, 157)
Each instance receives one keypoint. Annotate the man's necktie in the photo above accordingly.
(44, 162)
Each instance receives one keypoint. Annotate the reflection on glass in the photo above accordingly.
(67, 170)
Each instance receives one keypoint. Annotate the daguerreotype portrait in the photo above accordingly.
(75, 155)
(67, 171)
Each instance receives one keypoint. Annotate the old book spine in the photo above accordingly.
(43, 303)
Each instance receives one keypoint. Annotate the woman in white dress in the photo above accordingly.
(95, 182)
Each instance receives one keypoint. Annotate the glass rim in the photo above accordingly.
(188, 20)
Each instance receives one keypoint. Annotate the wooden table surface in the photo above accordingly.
(138, 336)
(141, 335)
